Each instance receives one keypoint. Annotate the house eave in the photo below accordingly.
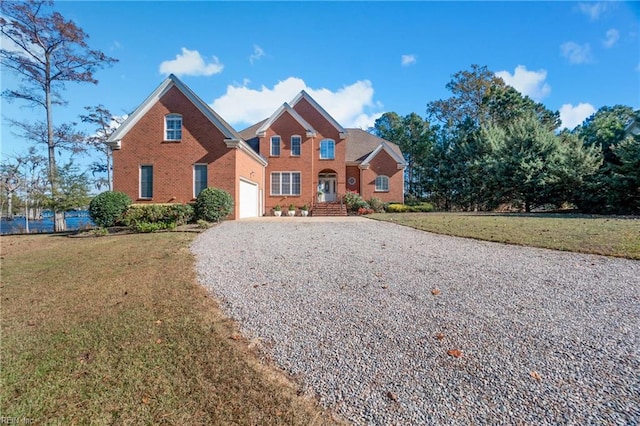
(243, 146)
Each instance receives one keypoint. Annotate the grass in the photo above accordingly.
(115, 330)
(610, 236)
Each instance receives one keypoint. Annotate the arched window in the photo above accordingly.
(172, 127)
(327, 149)
(382, 184)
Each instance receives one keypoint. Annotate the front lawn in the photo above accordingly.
(611, 236)
(114, 330)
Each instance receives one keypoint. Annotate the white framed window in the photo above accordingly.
(173, 127)
(327, 149)
(382, 184)
(200, 172)
(146, 181)
(285, 183)
(275, 146)
(296, 141)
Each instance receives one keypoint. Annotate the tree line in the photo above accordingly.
(488, 147)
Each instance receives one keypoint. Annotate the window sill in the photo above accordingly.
(144, 199)
(326, 159)
(172, 141)
(377, 190)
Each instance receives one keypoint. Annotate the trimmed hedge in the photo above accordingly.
(107, 208)
(213, 204)
(422, 207)
(403, 208)
(168, 215)
(397, 208)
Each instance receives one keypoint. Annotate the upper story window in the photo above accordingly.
(172, 127)
(327, 149)
(382, 184)
(275, 146)
(296, 141)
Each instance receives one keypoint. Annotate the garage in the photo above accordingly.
(249, 203)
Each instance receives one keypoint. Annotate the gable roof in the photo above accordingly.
(250, 132)
(286, 108)
(362, 147)
(232, 138)
(304, 95)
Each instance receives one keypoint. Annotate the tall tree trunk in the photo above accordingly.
(9, 205)
(58, 223)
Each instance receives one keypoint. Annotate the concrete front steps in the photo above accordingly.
(329, 209)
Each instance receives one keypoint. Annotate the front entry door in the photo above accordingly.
(326, 189)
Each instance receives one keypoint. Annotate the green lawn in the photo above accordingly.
(611, 236)
(115, 330)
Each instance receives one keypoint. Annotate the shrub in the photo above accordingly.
(410, 200)
(213, 204)
(203, 224)
(376, 205)
(153, 226)
(397, 208)
(364, 210)
(422, 207)
(354, 201)
(107, 208)
(168, 214)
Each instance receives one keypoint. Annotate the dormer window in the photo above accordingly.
(173, 127)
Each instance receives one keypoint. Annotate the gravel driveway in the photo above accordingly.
(348, 307)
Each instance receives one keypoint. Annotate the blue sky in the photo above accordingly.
(357, 59)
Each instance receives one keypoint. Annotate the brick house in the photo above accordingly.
(174, 145)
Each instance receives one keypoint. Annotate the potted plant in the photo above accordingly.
(292, 210)
(277, 210)
(304, 210)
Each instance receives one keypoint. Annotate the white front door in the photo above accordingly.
(326, 189)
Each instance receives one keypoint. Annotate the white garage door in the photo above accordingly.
(248, 199)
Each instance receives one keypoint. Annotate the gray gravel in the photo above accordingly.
(347, 307)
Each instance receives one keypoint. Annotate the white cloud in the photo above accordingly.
(576, 53)
(351, 106)
(572, 116)
(408, 60)
(529, 83)
(258, 53)
(190, 62)
(593, 9)
(612, 37)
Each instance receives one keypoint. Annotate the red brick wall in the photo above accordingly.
(353, 172)
(309, 163)
(383, 164)
(173, 162)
